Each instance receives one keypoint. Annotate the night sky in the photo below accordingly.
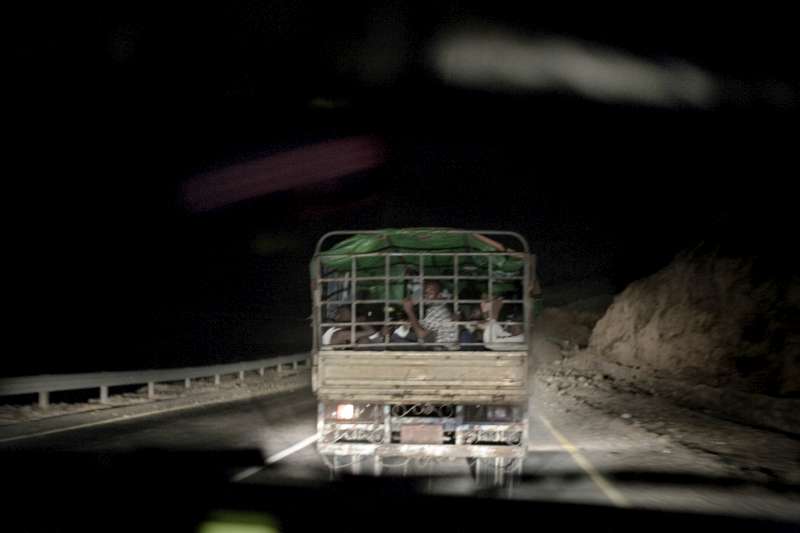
(115, 109)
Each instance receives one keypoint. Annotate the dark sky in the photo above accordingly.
(114, 108)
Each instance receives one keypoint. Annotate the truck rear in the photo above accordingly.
(384, 392)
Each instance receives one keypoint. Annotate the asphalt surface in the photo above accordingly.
(573, 457)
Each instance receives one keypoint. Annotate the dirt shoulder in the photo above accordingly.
(740, 451)
(746, 436)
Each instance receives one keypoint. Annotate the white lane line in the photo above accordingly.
(292, 449)
(244, 474)
(602, 483)
(272, 459)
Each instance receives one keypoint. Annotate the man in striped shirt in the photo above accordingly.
(437, 325)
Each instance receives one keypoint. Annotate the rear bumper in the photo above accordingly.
(421, 450)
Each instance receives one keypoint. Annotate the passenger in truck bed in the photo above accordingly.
(495, 337)
(438, 324)
(341, 335)
(470, 336)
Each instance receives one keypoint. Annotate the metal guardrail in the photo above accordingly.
(43, 385)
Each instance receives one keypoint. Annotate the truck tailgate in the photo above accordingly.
(421, 376)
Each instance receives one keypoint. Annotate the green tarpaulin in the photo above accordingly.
(338, 259)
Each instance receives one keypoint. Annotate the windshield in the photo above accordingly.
(635, 348)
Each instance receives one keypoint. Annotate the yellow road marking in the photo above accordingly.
(602, 483)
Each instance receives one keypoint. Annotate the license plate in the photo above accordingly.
(421, 434)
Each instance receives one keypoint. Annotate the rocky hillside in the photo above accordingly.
(710, 318)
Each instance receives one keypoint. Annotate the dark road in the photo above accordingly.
(573, 456)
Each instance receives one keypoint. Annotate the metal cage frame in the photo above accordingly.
(317, 280)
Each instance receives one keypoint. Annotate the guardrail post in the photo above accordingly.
(104, 381)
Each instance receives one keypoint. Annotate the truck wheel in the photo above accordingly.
(482, 471)
(473, 468)
(330, 462)
(492, 472)
(377, 466)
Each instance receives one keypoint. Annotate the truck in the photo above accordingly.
(388, 397)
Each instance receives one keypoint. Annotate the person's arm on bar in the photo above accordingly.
(408, 307)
